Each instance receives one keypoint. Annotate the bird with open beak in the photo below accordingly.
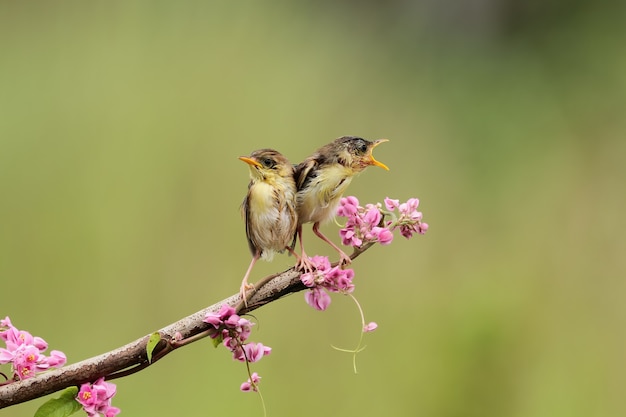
(322, 178)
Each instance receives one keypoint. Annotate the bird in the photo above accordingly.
(269, 208)
(321, 180)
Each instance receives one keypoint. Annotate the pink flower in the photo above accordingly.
(6, 356)
(56, 359)
(382, 235)
(14, 338)
(317, 298)
(339, 280)
(228, 322)
(316, 277)
(96, 398)
(236, 348)
(231, 343)
(391, 204)
(372, 215)
(255, 351)
(232, 322)
(111, 412)
(348, 206)
(25, 359)
(244, 329)
(410, 205)
(370, 327)
(251, 384)
(87, 399)
(349, 237)
(322, 263)
(308, 279)
(216, 319)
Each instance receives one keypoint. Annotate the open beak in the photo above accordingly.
(250, 161)
(374, 161)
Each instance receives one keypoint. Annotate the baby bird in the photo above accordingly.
(269, 208)
(322, 179)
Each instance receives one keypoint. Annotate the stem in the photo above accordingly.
(358, 346)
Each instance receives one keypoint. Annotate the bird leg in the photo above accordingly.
(291, 251)
(304, 263)
(244, 283)
(344, 259)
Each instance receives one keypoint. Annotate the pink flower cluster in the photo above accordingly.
(325, 278)
(96, 398)
(410, 220)
(232, 331)
(363, 224)
(25, 352)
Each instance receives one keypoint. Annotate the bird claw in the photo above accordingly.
(344, 259)
(305, 265)
(242, 292)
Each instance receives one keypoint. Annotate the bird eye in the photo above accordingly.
(361, 146)
(268, 162)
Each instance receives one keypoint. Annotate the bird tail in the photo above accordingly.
(267, 255)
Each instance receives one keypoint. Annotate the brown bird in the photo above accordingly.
(322, 179)
(269, 208)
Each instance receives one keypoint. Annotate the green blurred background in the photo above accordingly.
(120, 127)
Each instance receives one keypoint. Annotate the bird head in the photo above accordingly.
(356, 153)
(268, 165)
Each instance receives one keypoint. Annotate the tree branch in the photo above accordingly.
(132, 357)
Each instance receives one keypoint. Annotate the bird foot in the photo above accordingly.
(305, 265)
(242, 292)
(344, 259)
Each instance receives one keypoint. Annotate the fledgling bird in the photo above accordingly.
(322, 179)
(269, 208)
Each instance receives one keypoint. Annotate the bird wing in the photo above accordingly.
(304, 172)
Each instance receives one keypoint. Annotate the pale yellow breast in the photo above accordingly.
(319, 201)
(261, 199)
(272, 223)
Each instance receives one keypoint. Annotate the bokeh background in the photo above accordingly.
(120, 128)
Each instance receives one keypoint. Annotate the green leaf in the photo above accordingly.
(219, 339)
(155, 338)
(64, 406)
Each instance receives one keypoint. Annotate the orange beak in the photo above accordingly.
(374, 161)
(250, 161)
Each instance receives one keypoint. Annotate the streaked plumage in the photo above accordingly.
(323, 177)
(269, 208)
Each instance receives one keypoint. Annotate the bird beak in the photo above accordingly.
(250, 161)
(374, 161)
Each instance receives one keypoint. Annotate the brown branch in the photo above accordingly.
(132, 357)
